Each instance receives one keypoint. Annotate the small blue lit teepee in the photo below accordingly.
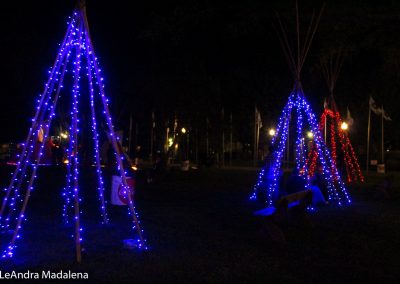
(298, 116)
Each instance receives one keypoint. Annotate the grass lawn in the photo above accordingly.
(200, 229)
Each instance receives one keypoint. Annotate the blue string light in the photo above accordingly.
(89, 74)
(99, 82)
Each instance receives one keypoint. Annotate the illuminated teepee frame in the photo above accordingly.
(77, 45)
(297, 107)
(334, 127)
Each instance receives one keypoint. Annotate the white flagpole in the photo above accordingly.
(223, 138)
(368, 136)
(130, 135)
(383, 145)
(325, 130)
(166, 139)
(325, 106)
(258, 138)
(207, 141)
(230, 139)
(152, 135)
(255, 136)
(288, 145)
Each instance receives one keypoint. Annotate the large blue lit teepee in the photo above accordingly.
(76, 61)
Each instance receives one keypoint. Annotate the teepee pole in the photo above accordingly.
(96, 141)
(76, 149)
(111, 129)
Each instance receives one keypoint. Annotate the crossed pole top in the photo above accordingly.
(81, 4)
(331, 66)
(296, 56)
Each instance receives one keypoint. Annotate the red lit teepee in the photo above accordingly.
(335, 129)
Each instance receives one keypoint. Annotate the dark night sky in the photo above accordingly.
(194, 57)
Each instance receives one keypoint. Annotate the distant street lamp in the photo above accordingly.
(271, 132)
(183, 130)
(310, 135)
(64, 135)
(344, 126)
(170, 142)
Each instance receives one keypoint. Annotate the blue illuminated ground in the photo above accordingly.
(200, 228)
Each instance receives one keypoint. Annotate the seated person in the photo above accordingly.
(295, 182)
(317, 187)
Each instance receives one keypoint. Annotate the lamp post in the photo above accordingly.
(310, 137)
(184, 131)
(271, 134)
(344, 126)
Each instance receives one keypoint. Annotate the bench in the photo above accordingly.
(286, 202)
(291, 208)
